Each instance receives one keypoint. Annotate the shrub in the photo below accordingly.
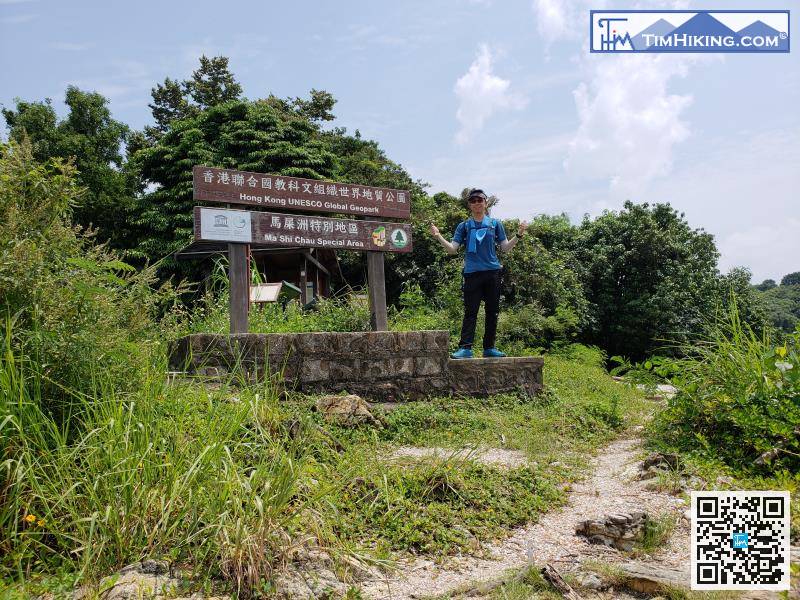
(77, 309)
(164, 472)
(416, 312)
(529, 325)
(738, 399)
(211, 315)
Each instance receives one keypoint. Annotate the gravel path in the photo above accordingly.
(612, 487)
(496, 457)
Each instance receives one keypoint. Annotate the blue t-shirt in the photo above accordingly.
(487, 233)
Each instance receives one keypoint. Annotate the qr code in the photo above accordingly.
(740, 540)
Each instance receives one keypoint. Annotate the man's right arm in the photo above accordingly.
(449, 247)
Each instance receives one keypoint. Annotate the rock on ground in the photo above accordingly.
(347, 411)
(151, 579)
(620, 531)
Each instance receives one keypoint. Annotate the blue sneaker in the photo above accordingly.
(462, 353)
(493, 353)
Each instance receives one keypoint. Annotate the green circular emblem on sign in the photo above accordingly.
(399, 238)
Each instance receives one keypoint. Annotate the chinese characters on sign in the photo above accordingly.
(296, 193)
(273, 229)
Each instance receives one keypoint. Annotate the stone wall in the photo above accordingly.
(379, 365)
(487, 376)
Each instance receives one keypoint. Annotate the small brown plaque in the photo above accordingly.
(304, 231)
(298, 194)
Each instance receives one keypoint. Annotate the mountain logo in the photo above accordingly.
(689, 31)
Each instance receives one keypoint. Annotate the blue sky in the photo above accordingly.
(498, 94)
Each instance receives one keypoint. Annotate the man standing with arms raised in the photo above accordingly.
(482, 271)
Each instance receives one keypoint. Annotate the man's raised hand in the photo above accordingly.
(434, 230)
(522, 227)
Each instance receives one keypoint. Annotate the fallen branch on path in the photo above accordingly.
(552, 576)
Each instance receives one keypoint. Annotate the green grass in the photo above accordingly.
(526, 584)
(170, 472)
(657, 531)
(440, 506)
(229, 489)
(736, 413)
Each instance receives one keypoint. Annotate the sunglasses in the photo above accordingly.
(474, 199)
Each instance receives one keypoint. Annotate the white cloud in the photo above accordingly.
(556, 19)
(480, 94)
(629, 121)
(743, 189)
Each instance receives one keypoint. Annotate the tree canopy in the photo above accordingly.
(648, 275)
(94, 140)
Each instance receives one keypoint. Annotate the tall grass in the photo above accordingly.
(739, 398)
(170, 471)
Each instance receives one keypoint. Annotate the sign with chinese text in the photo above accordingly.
(275, 229)
(297, 193)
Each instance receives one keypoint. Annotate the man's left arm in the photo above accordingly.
(507, 245)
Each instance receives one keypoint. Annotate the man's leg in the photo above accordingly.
(472, 301)
(491, 297)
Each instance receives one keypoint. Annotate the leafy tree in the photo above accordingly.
(213, 83)
(240, 134)
(782, 305)
(765, 285)
(362, 161)
(648, 277)
(540, 270)
(791, 279)
(169, 104)
(90, 136)
(749, 303)
(318, 108)
(210, 84)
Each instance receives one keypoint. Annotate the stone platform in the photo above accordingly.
(378, 365)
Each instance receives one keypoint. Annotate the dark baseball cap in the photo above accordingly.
(476, 192)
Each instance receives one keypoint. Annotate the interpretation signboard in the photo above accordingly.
(277, 229)
(298, 194)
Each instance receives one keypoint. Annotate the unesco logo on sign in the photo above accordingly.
(689, 31)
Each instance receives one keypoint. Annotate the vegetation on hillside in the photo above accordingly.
(626, 280)
(781, 302)
(103, 461)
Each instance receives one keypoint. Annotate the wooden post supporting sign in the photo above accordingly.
(239, 276)
(377, 292)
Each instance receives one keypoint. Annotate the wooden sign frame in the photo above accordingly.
(297, 194)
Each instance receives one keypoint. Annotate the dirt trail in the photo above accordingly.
(611, 487)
